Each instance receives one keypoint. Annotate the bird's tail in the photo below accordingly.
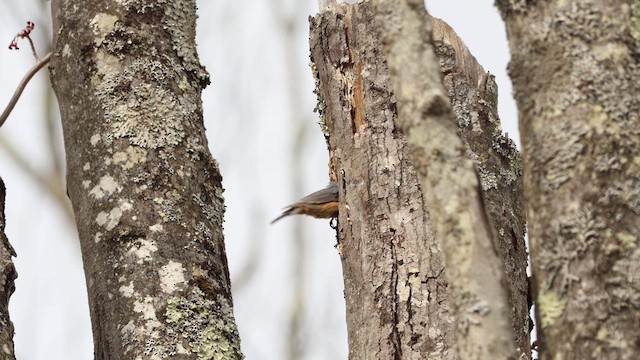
(289, 211)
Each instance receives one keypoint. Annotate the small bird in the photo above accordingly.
(321, 204)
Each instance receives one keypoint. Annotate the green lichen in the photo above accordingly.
(139, 106)
(179, 20)
(629, 240)
(550, 306)
(208, 326)
(168, 209)
(320, 104)
(635, 21)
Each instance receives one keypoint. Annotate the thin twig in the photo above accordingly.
(33, 48)
(23, 83)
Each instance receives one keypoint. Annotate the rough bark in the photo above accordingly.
(449, 182)
(474, 101)
(146, 192)
(7, 286)
(576, 77)
(397, 295)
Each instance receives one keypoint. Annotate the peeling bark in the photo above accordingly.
(577, 79)
(399, 302)
(145, 190)
(7, 286)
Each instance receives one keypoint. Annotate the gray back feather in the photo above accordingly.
(328, 194)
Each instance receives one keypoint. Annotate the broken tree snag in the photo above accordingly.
(396, 293)
(375, 175)
(7, 284)
(474, 103)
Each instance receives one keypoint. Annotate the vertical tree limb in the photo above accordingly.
(449, 182)
(474, 103)
(146, 192)
(576, 78)
(7, 285)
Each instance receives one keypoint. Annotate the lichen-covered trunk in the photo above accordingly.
(474, 102)
(145, 190)
(398, 298)
(577, 83)
(7, 286)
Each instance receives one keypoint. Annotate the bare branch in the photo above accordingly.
(23, 83)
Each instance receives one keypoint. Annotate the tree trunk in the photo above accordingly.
(474, 101)
(146, 192)
(397, 296)
(449, 181)
(399, 302)
(7, 286)
(577, 79)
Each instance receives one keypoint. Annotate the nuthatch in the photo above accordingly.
(320, 204)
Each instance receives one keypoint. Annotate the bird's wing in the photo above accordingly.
(328, 194)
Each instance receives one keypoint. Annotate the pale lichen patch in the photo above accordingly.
(101, 25)
(146, 308)
(609, 51)
(106, 186)
(119, 157)
(629, 240)
(184, 83)
(94, 139)
(197, 271)
(66, 50)
(127, 290)
(129, 158)
(206, 324)
(181, 350)
(550, 306)
(129, 329)
(171, 276)
(105, 63)
(102, 218)
(182, 37)
(143, 250)
(126, 206)
(111, 219)
(140, 108)
(156, 227)
(97, 237)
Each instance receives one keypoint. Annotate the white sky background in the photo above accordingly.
(251, 128)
